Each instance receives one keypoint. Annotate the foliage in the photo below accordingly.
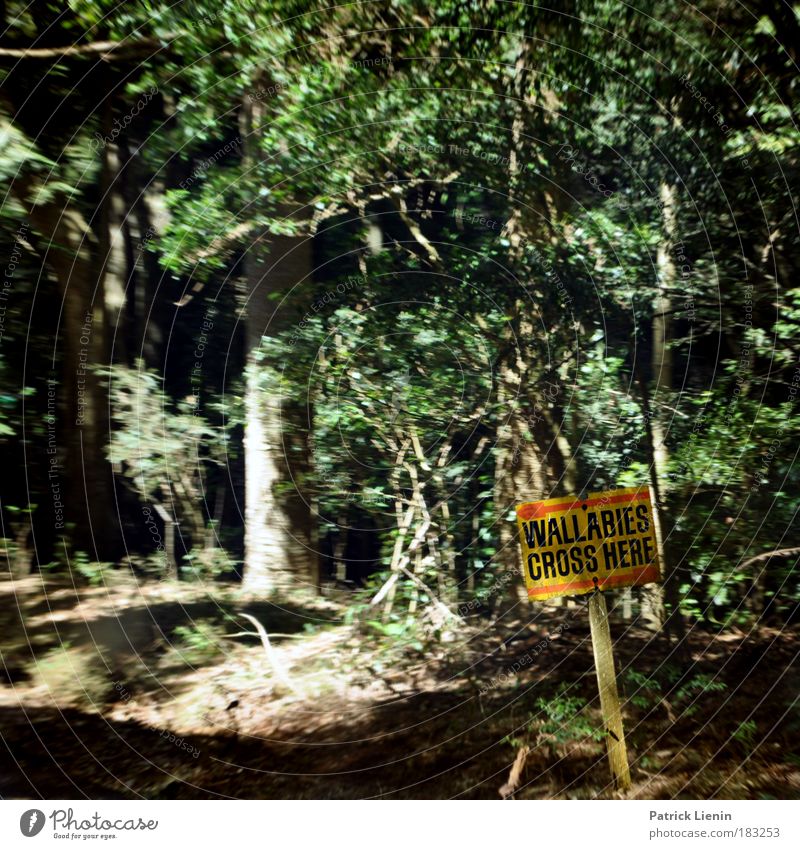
(561, 720)
(164, 448)
(643, 690)
(745, 733)
(93, 572)
(73, 676)
(206, 564)
(197, 643)
(689, 696)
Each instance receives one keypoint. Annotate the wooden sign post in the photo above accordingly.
(607, 684)
(574, 546)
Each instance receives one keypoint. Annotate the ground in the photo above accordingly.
(144, 690)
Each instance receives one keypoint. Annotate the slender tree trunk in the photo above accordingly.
(147, 218)
(653, 596)
(662, 332)
(280, 540)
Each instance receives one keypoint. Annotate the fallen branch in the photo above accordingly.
(280, 672)
(256, 634)
(381, 594)
(781, 552)
(413, 228)
(515, 776)
(104, 47)
(440, 604)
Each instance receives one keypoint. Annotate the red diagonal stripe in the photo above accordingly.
(538, 509)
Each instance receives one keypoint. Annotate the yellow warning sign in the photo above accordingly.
(570, 546)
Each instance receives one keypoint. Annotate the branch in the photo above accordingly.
(384, 590)
(255, 634)
(106, 48)
(218, 244)
(422, 240)
(448, 614)
(781, 552)
(280, 673)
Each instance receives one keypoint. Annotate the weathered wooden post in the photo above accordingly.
(609, 697)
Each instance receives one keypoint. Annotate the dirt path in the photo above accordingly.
(188, 716)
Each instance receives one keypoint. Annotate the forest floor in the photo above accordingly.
(144, 691)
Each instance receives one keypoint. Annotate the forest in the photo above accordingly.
(300, 301)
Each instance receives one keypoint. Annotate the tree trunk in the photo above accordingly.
(279, 521)
(147, 217)
(653, 596)
(280, 539)
(520, 465)
(79, 476)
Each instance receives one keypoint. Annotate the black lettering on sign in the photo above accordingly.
(627, 520)
(576, 530)
(534, 528)
(553, 532)
(593, 528)
(610, 554)
(569, 547)
(534, 571)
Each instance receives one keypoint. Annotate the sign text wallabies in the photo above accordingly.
(572, 546)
